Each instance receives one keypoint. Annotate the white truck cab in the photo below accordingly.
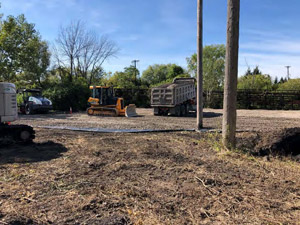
(8, 102)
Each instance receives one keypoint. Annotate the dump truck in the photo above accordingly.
(177, 98)
(9, 113)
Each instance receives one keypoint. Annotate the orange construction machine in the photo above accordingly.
(104, 103)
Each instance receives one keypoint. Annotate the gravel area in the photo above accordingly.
(248, 120)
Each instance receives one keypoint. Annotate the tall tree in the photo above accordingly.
(82, 51)
(124, 79)
(231, 73)
(159, 73)
(255, 71)
(213, 66)
(22, 52)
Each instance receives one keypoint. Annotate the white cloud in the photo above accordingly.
(284, 46)
(262, 34)
(271, 51)
(28, 5)
(131, 37)
(272, 64)
(118, 64)
(17, 5)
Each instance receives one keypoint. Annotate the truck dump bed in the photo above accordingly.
(176, 93)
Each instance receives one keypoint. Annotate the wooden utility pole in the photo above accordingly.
(199, 65)
(288, 72)
(231, 74)
(134, 65)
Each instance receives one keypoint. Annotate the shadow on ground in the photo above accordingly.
(45, 116)
(34, 152)
(285, 142)
(211, 114)
(205, 114)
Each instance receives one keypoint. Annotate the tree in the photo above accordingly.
(37, 61)
(213, 66)
(154, 74)
(125, 79)
(282, 80)
(290, 85)
(255, 82)
(160, 73)
(82, 51)
(22, 52)
(254, 72)
(231, 74)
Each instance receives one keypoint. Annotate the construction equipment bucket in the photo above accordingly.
(130, 111)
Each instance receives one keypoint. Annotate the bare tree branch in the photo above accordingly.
(83, 51)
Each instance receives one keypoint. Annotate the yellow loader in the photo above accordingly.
(104, 103)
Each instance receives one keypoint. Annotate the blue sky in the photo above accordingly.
(164, 31)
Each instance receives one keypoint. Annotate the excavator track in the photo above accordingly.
(17, 133)
(102, 111)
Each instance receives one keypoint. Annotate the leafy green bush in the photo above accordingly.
(158, 74)
(255, 82)
(64, 96)
(290, 85)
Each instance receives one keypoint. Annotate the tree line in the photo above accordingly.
(75, 61)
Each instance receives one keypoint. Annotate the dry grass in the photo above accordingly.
(174, 178)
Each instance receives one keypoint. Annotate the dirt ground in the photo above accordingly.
(68, 177)
(248, 120)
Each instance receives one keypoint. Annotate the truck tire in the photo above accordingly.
(156, 111)
(177, 110)
(165, 112)
(28, 110)
(183, 110)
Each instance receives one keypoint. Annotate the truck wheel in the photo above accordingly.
(177, 111)
(187, 110)
(161, 112)
(165, 113)
(28, 110)
(25, 136)
(156, 111)
(183, 110)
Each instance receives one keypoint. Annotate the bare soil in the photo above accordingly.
(248, 120)
(68, 177)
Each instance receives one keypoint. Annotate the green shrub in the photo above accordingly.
(290, 85)
(64, 96)
(255, 82)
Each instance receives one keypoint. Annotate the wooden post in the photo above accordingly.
(199, 65)
(231, 74)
